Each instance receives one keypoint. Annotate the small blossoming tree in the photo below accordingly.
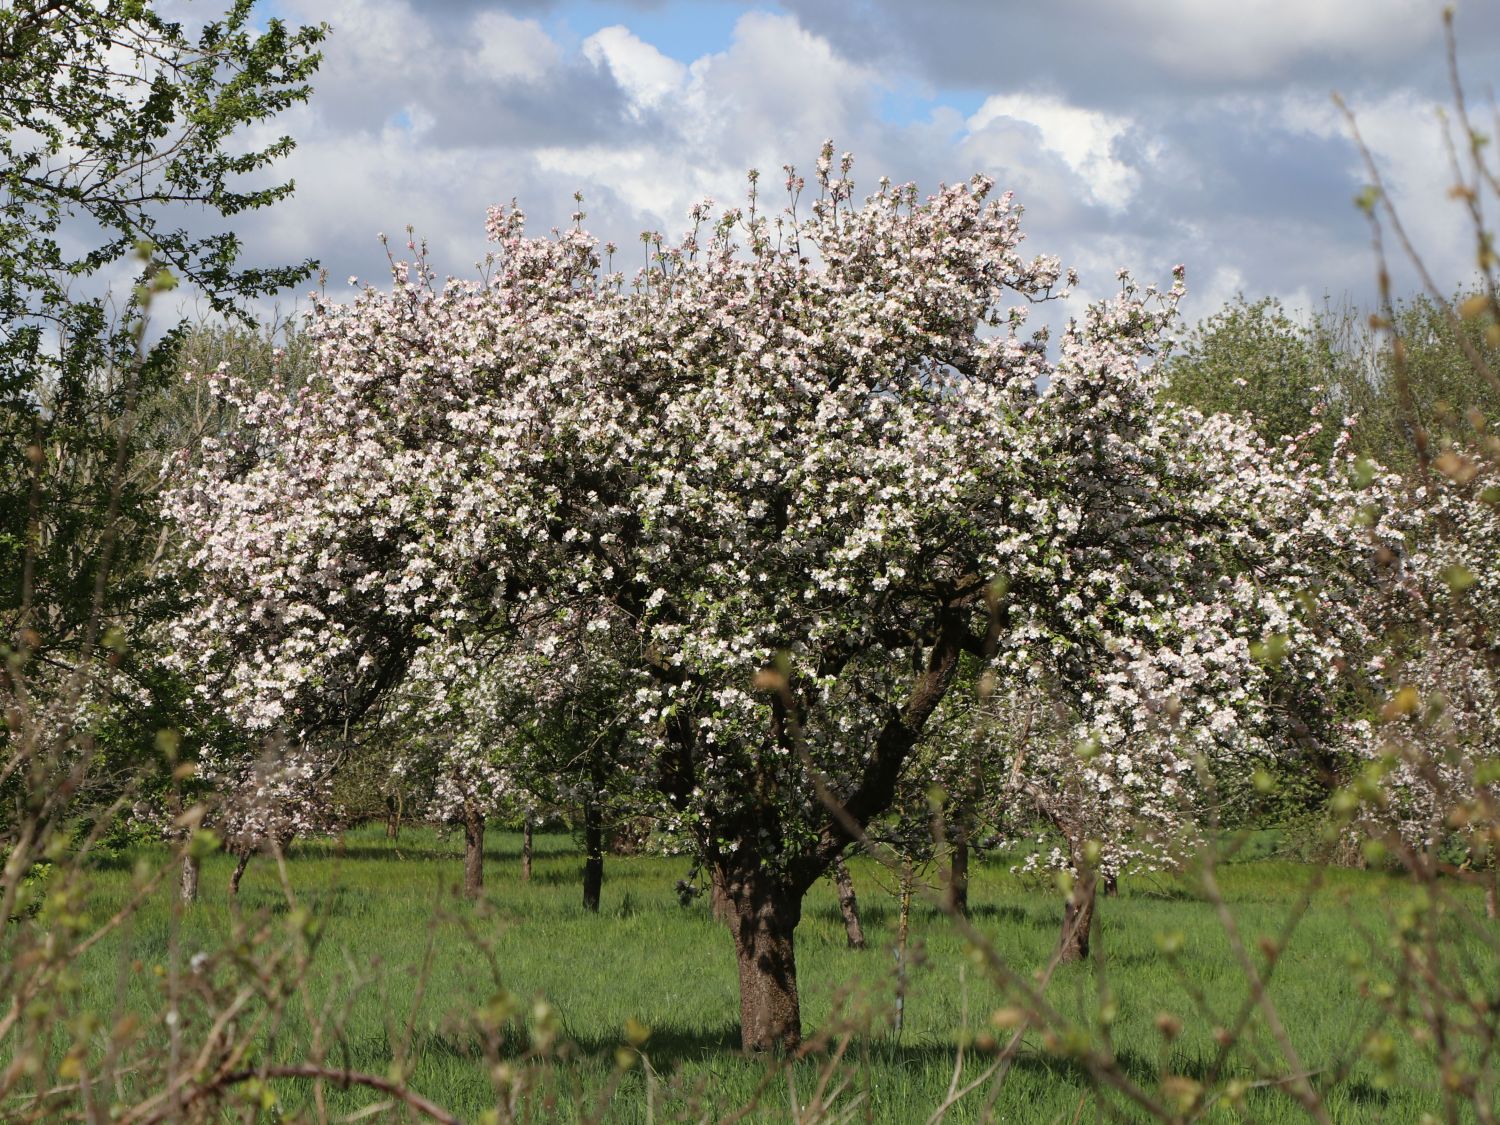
(804, 462)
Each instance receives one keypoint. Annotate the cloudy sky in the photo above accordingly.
(1137, 133)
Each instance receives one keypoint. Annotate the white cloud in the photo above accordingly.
(510, 49)
(1084, 139)
(646, 75)
(772, 97)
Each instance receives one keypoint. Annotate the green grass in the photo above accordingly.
(645, 957)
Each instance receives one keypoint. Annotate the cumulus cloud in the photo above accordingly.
(1085, 140)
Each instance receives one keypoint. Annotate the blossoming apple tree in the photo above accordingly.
(804, 461)
(1430, 742)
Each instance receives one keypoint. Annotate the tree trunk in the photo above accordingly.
(1111, 886)
(718, 898)
(191, 867)
(1078, 916)
(765, 920)
(526, 850)
(473, 850)
(239, 872)
(593, 857)
(392, 818)
(848, 904)
(1492, 899)
(903, 931)
(958, 870)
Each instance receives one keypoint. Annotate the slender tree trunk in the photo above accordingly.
(1078, 914)
(958, 869)
(1492, 899)
(903, 931)
(239, 872)
(192, 866)
(848, 904)
(392, 819)
(526, 850)
(593, 857)
(766, 913)
(473, 850)
(903, 917)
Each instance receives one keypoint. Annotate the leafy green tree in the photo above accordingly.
(1252, 359)
(1449, 395)
(114, 122)
(121, 133)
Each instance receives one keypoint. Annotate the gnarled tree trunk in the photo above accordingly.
(473, 850)
(848, 904)
(188, 884)
(593, 857)
(526, 850)
(766, 913)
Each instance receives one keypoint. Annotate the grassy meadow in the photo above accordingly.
(387, 910)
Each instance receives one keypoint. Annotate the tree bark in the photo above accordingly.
(526, 850)
(239, 872)
(718, 898)
(593, 857)
(473, 850)
(192, 866)
(1492, 899)
(848, 904)
(766, 913)
(1078, 916)
(958, 870)
(392, 818)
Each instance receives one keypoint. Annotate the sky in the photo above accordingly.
(1136, 133)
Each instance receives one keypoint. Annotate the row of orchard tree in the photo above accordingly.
(797, 533)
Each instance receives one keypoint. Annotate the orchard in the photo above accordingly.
(799, 553)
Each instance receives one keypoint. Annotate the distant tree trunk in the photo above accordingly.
(903, 931)
(1111, 885)
(191, 868)
(473, 850)
(765, 917)
(392, 818)
(239, 872)
(848, 904)
(958, 869)
(593, 857)
(526, 850)
(1492, 899)
(1078, 914)
(903, 917)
